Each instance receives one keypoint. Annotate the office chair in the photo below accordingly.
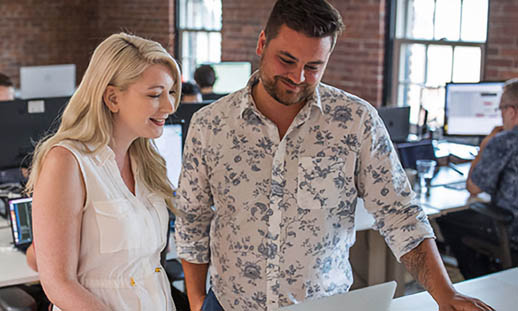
(501, 252)
(16, 299)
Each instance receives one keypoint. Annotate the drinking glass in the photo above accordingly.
(425, 169)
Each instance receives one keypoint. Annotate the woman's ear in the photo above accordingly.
(110, 98)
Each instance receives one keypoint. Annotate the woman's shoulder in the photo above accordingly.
(62, 156)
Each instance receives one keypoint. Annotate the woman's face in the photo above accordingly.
(145, 105)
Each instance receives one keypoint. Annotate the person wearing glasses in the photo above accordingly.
(494, 171)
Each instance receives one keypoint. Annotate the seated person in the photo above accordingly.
(191, 93)
(6, 88)
(205, 77)
(494, 171)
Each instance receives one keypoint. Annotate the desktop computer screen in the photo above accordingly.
(231, 76)
(22, 124)
(170, 148)
(472, 108)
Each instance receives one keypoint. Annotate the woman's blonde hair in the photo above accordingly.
(118, 61)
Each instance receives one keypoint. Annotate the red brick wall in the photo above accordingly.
(34, 32)
(502, 45)
(151, 19)
(357, 62)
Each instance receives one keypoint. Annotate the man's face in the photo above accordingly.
(509, 112)
(6, 93)
(292, 64)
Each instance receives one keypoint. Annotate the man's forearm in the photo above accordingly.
(425, 265)
(195, 282)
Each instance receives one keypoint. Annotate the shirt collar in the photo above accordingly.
(247, 105)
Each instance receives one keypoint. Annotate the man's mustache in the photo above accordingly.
(287, 80)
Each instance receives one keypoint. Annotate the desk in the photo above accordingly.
(13, 266)
(499, 290)
(372, 260)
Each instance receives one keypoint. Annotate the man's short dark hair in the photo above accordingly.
(189, 88)
(314, 18)
(205, 76)
(5, 81)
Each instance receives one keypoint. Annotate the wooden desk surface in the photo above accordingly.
(499, 290)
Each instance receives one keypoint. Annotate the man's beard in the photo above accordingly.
(287, 98)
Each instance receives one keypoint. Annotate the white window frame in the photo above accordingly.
(188, 71)
(401, 39)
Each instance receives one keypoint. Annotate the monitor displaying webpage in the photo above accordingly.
(472, 108)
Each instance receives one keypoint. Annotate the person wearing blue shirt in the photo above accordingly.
(494, 171)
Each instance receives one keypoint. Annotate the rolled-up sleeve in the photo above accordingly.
(194, 201)
(384, 187)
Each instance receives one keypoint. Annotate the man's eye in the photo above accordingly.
(312, 68)
(155, 96)
(290, 62)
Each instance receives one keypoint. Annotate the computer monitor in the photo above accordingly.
(170, 148)
(23, 123)
(20, 214)
(472, 108)
(231, 76)
(47, 81)
(185, 112)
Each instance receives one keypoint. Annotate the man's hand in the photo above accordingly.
(459, 302)
(425, 265)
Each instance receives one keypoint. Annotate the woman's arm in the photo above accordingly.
(58, 200)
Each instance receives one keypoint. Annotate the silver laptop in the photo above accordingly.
(371, 298)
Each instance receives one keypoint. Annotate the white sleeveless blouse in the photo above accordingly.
(122, 236)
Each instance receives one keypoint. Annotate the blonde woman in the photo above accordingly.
(100, 191)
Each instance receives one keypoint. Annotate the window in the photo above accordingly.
(436, 41)
(199, 27)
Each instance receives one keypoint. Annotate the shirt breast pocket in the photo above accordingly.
(118, 226)
(321, 182)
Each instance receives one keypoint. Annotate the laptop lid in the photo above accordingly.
(397, 122)
(20, 216)
(371, 298)
(410, 152)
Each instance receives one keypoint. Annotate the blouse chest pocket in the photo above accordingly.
(118, 226)
(321, 182)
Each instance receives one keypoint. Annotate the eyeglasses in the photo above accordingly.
(502, 108)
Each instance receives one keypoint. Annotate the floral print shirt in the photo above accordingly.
(497, 174)
(275, 217)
